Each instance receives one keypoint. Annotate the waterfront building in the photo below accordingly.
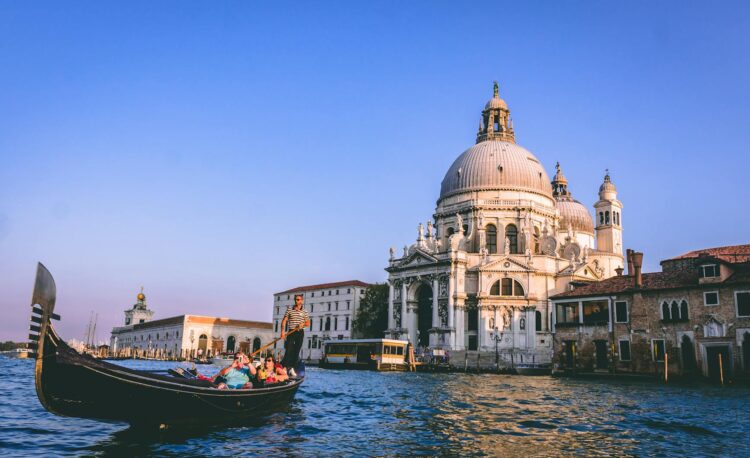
(332, 308)
(184, 336)
(502, 240)
(694, 312)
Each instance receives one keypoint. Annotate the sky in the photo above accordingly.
(218, 152)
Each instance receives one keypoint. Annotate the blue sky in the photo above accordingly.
(216, 153)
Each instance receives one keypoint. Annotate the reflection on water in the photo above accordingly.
(366, 413)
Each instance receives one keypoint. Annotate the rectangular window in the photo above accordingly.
(596, 312)
(711, 298)
(275, 326)
(348, 290)
(329, 293)
(313, 294)
(624, 350)
(337, 305)
(658, 349)
(337, 292)
(710, 271)
(329, 306)
(567, 313)
(347, 324)
(621, 312)
(742, 299)
(321, 324)
(335, 323)
(347, 304)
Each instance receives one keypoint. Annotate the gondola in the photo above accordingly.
(72, 384)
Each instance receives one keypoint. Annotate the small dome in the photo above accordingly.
(496, 165)
(574, 215)
(496, 102)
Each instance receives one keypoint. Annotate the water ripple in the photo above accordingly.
(341, 413)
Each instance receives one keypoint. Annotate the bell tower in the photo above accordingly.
(608, 214)
(496, 123)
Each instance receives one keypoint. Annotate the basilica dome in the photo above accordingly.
(574, 215)
(493, 164)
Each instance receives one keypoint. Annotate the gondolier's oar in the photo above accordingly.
(298, 328)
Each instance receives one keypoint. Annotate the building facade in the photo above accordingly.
(332, 308)
(502, 240)
(695, 314)
(184, 336)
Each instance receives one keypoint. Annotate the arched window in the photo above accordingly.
(256, 344)
(606, 217)
(675, 311)
(495, 290)
(538, 320)
(328, 323)
(450, 231)
(509, 287)
(491, 239)
(683, 310)
(537, 248)
(601, 218)
(511, 235)
(230, 344)
(665, 311)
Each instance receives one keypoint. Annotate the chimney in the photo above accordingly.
(619, 271)
(629, 256)
(637, 264)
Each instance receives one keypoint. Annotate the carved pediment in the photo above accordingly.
(504, 264)
(418, 258)
(583, 271)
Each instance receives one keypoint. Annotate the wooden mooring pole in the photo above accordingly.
(721, 370)
(666, 367)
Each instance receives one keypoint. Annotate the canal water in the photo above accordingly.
(349, 413)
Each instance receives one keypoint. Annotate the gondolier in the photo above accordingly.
(294, 318)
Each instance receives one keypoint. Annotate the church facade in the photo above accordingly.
(504, 238)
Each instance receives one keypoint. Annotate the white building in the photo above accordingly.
(503, 239)
(184, 336)
(332, 308)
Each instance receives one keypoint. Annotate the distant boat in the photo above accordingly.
(72, 384)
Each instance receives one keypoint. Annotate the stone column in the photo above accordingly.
(451, 311)
(404, 323)
(435, 292)
(391, 323)
(480, 327)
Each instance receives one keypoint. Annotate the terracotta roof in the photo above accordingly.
(201, 320)
(300, 289)
(228, 322)
(162, 322)
(626, 283)
(731, 254)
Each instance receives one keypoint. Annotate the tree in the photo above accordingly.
(371, 320)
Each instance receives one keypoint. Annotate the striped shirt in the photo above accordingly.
(296, 318)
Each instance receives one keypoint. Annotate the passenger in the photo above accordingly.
(237, 375)
(272, 372)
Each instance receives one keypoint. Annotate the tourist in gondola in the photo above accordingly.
(237, 375)
(272, 372)
(295, 318)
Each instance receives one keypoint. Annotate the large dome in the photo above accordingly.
(496, 165)
(574, 215)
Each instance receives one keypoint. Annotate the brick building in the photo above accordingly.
(696, 311)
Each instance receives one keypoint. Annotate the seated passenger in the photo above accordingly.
(237, 375)
(272, 372)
